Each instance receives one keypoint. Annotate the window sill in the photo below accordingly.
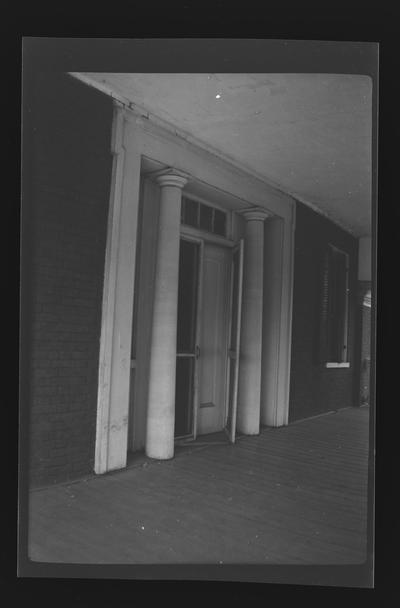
(332, 365)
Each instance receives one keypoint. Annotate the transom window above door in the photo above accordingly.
(203, 217)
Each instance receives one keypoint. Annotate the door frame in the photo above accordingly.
(197, 236)
(234, 360)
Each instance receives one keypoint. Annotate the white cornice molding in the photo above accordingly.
(117, 134)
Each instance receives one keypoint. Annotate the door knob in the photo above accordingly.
(197, 351)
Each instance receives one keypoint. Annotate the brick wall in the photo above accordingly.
(69, 173)
(315, 389)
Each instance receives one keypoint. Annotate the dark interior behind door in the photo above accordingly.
(186, 337)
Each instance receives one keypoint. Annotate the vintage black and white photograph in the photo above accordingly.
(199, 304)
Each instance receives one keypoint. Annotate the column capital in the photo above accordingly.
(255, 213)
(171, 177)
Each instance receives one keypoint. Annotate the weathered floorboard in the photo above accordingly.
(293, 495)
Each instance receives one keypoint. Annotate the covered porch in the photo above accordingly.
(291, 495)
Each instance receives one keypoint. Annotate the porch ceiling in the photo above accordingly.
(308, 134)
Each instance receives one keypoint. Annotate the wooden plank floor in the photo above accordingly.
(294, 495)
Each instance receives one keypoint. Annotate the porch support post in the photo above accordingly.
(248, 412)
(161, 400)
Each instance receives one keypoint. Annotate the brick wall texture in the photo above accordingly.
(314, 389)
(69, 174)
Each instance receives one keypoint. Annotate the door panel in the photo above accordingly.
(213, 339)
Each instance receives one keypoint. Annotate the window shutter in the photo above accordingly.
(324, 309)
(340, 305)
(332, 338)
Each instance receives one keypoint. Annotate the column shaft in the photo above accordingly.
(161, 401)
(248, 420)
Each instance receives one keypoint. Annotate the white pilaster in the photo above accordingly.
(248, 412)
(277, 320)
(117, 307)
(161, 400)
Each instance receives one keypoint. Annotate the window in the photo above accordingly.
(204, 217)
(335, 308)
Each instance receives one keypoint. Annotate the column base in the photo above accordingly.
(155, 456)
(248, 429)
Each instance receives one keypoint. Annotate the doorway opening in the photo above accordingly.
(208, 338)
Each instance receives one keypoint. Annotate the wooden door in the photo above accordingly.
(213, 338)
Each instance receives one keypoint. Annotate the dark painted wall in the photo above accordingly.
(315, 389)
(364, 287)
(67, 174)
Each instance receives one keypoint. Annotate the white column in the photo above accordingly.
(248, 413)
(161, 401)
